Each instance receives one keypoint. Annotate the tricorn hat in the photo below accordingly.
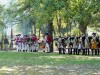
(93, 33)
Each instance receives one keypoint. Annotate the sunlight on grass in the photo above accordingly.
(94, 58)
(58, 57)
(54, 57)
(6, 69)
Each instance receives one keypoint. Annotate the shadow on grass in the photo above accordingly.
(50, 70)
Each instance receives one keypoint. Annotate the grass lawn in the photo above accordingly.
(21, 63)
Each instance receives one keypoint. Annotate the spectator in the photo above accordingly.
(6, 43)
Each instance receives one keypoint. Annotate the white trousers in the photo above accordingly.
(47, 47)
(35, 47)
(19, 46)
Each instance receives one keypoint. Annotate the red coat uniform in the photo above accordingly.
(48, 39)
(34, 39)
(16, 40)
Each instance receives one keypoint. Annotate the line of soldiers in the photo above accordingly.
(30, 43)
(26, 43)
(75, 45)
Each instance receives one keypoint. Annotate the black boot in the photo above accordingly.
(92, 52)
(83, 52)
(95, 51)
(63, 51)
(88, 51)
(74, 51)
(59, 50)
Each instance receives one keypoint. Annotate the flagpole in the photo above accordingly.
(2, 41)
(11, 43)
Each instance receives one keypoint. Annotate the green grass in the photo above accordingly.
(31, 59)
(51, 61)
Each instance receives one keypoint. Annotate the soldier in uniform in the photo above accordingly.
(48, 42)
(75, 45)
(26, 43)
(82, 39)
(19, 42)
(93, 46)
(34, 43)
(87, 45)
(95, 41)
(70, 40)
(63, 45)
(29, 39)
(79, 47)
(16, 42)
(43, 43)
(98, 45)
(59, 45)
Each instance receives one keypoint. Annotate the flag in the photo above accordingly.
(11, 42)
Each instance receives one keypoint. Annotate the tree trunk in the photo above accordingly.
(83, 29)
(54, 33)
(50, 29)
(31, 30)
(2, 41)
(59, 24)
(39, 32)
(34, 29)
(70, 29)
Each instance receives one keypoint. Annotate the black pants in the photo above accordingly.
(87, 51)
(61, 50)
(84, 52)
(69, 50)
(96, 51)
(78, 51)
(75, 51)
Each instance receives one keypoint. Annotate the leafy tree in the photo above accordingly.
(83, 12)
